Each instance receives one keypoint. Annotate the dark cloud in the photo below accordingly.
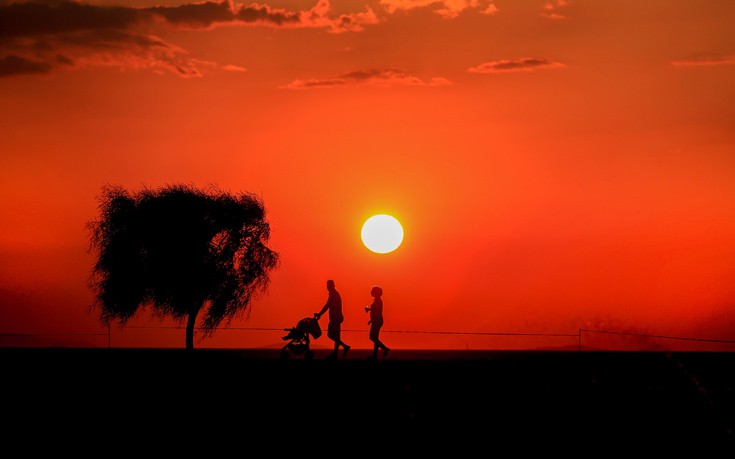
(108, 40)
(16, 65)
(374, 77)
(516, 65)
(64, 60)
(39, 37)
(33, 34)
(196, 14)
(208, 14)
(262, 13)
(35, 18)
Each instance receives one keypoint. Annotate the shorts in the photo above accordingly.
(375, 327)
(334, 331)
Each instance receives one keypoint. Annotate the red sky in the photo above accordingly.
(556, 165)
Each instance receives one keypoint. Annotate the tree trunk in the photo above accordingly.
(190, 322)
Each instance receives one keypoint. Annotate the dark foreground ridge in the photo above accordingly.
(576, 403)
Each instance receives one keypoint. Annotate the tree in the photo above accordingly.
(180, 251)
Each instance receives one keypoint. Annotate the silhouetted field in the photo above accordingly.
(495, 403)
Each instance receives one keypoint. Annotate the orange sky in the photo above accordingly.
(556, 165)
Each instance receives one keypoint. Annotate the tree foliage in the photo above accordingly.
(180, 251)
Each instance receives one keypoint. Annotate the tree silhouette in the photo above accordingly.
(180, 251)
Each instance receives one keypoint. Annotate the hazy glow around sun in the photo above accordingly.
(382, 233)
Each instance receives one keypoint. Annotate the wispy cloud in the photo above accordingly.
(16, 65)
(234, 68)
(40, 36)
(705, 61)
(446, 8)
(139, 53)
(101, 47)
(554, 9)
(526, 64)
(372, 77)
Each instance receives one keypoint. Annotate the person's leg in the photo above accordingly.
(374, 338)
(333, 334)
(385, 348)
(380, 344)
(338, 340)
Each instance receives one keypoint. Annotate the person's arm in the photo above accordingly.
(370, 309)
(318, 315)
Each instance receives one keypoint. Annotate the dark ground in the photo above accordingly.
(489, 403)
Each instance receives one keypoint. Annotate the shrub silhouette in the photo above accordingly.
(180, 251)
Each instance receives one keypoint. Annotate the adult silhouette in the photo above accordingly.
(376, 322)
(334, 327)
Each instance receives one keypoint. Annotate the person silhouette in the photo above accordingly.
(376, 322)
(334, 327)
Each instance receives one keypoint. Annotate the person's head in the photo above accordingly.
(330, 284)
(376, 291)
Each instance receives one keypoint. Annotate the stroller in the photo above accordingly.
(298, 338)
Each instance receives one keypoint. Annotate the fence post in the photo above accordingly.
(579, 341)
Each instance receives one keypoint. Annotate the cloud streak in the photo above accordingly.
(16, 65)
(526, 64)
(372, 77)
(705, 61)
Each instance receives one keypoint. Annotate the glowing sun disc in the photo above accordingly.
(382, 233)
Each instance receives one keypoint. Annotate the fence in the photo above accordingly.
(584, 339)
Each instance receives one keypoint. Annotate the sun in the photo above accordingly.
(382, 233)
